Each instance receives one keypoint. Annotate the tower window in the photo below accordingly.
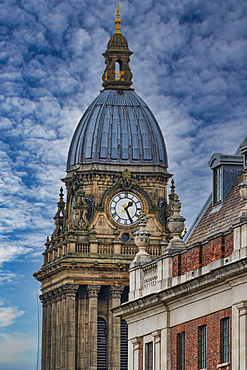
(181, 351)
(225, 339)
(202, 350)
(149, 356)
(101, 344)
(118, 70)
(217, 184)
(124, 345)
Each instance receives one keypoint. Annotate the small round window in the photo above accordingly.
(125, 237)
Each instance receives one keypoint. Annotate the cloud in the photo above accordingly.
(8, 315)
(8, 277)
(9, 253)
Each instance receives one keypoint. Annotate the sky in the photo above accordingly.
(189, 66)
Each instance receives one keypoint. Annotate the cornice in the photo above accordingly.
(167, 296)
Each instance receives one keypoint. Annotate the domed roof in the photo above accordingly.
(117, 41)
(118, 127)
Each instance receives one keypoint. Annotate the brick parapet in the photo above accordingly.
(201, 255)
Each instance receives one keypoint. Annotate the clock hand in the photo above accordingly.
(126, 210)
(130, 204)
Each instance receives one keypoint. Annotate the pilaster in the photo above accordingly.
(242, 313)
(157, 350)
(137, 354)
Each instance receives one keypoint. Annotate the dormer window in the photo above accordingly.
(226, 169)
(218, 184)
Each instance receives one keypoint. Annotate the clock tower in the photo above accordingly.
(116, 168)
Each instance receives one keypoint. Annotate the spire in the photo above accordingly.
(117, 20)
(117, 74)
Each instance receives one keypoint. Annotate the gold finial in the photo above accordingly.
(117, 20)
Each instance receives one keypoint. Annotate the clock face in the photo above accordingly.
(125, 208)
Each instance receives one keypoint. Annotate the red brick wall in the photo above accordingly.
(212, 251)
(191, 260)
(191, 340)
(200, 256)
(228, 247)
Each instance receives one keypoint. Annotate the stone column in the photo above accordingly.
(157, 350)
(43, 299)
(115, 292)
(63, 330)
(48, 332)
(53, 329)
(137, 354)
(82, 335)
(58, 328)
(93, 291)
(242, 335)
(70, 348)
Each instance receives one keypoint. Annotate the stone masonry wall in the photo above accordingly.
(191, 329)
(201, 255)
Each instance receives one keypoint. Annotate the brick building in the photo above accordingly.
(187, 310)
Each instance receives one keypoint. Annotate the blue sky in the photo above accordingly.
(189, 66)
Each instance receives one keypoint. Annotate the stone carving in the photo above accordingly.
(93, 290)
(175, 222)
(80, 209)
(142, 239)
(126, 181)
(116, 291)
(59, 216)
(243, 192)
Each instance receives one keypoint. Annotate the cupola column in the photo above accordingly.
(93, 291)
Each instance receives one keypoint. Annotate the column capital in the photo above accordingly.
(69, 290)
(137, 343)
(115, 291)
(242, 308)
(43, 298)
(93, 290)
(156, 336)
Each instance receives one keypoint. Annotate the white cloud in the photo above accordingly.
(8, 315)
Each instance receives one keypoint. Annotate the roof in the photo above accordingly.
(118, 127)
(217, 220)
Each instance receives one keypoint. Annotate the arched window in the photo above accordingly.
(101, 344)
(124, 346)
(118, 70)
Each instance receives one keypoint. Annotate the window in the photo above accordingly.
(202, 350)
(217, 185)
(225, 340)
(181, 351)
(124, 346)
(101, 344)
(149, 356)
